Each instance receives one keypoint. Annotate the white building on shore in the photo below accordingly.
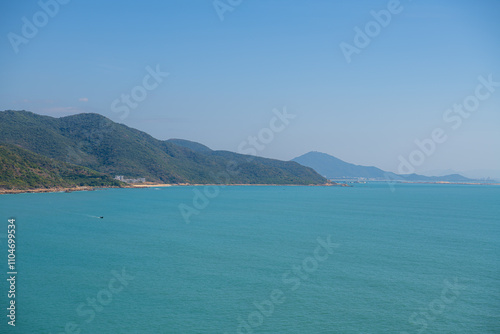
(123, 179)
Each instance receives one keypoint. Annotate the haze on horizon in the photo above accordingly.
(233, 68)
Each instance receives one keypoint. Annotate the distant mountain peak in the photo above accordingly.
(334, 168)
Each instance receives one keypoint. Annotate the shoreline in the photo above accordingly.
(164, 185)
(230, 184)
(50, 190)
(141, 186)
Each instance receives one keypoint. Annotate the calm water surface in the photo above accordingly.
(421, 259)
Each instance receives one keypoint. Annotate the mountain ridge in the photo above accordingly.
(335, 168)
(94, 141)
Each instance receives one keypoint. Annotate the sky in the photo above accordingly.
(364, 81)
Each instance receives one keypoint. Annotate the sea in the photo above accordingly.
(372, 258)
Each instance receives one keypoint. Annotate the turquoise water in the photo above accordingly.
(421, 259)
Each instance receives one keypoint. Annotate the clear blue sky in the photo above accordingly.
(226, 77)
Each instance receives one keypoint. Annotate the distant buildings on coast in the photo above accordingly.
(123, 179)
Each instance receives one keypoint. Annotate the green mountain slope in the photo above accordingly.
(269, 168)
(93, 141)
(22, 169)
(194, 146)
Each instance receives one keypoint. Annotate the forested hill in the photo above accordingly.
(95, 142)
(22, 169)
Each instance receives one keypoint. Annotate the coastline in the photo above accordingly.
(48, 190)
(139, 186)
(162, 185)
(229, 185)
(149, 185)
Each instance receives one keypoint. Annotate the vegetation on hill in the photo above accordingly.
(93, 141)
(22, 169)
(194, 146)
